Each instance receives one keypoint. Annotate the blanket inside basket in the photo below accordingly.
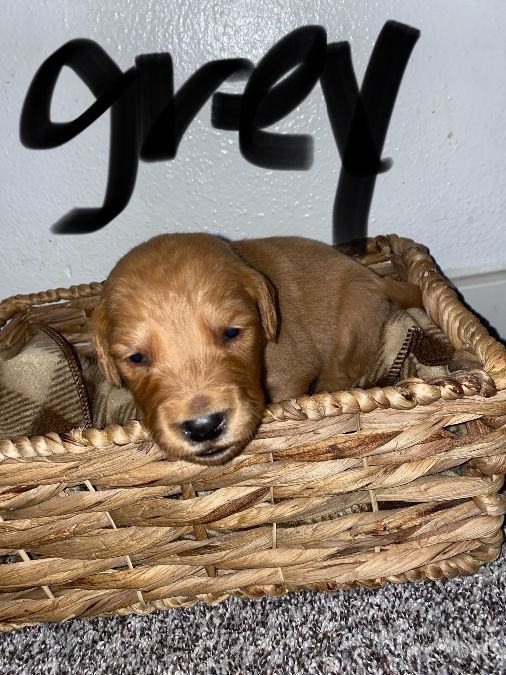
(49, 387)
(412, 346)
(42, 388)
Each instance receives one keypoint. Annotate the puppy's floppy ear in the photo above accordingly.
(99, 333)
(264, 293)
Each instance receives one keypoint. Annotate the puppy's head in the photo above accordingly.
(183, 322)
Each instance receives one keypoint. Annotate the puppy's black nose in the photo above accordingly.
(204, 428)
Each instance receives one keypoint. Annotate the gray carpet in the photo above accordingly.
(453, 626)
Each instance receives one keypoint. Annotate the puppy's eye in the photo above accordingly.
(137, 358)
(230, 333)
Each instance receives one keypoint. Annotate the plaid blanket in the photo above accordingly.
(42, 388)
(48, 387)
(412, 346)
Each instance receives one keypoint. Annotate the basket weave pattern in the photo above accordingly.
(360, 487)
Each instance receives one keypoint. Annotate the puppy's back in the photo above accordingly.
(332, 312)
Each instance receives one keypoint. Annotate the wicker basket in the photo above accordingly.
(352, 488)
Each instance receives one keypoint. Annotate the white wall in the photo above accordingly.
(446, 136)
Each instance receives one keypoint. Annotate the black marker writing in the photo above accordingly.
(360, 121)
(148, 120)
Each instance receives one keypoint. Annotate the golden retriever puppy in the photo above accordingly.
(204, 332)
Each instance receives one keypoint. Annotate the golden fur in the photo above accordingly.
(310, 319)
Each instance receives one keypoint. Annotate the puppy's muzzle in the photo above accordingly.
(206, 428)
